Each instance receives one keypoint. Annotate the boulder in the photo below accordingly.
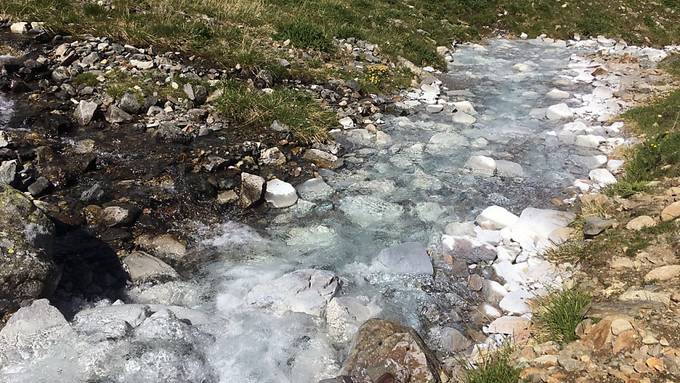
(280, 194)
(27, 269)
(641, 222)
(143, 267)
(382, 347)
(84, 112)
(252, 187)
(303, 291)
(663, 273)
(463, 118)
(406, 258)
(130, 104)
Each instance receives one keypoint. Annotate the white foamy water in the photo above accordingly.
(282, 299)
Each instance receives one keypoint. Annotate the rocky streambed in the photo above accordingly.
(435, 220)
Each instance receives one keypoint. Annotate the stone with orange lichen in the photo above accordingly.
(625, 341)
(599, 335)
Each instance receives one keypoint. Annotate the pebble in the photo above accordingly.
(671, 212)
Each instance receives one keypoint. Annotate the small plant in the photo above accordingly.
(86, 79)
(557, 314)
(495, 367)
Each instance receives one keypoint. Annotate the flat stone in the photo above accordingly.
(142, 64)
(323, 159)
(509, 169)
(663, 273)
(272, 156)
(463, 118)
(406, 258)
(641, 222)
(508, 325)
(368, 211)
(453, 340)
(465, 107)
(315, 189)
(434, 108)
(671, 212)
(557, 94)
(280, 194)
(143, 267)
(645, 295)
(595, 225)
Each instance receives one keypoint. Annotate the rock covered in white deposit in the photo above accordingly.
(496, 218)
(602, 177)
(405, 258)
(280, 194)
(559, 112)
(482, 165)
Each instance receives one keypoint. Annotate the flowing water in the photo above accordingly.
(264, 324)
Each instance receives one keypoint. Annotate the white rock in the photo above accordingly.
(521, 67)
(19, 28)
(496, 218)
(304, 291)
(434, 108)
(347, 122)
(557, 94)
(406, 258)
(602, 92)
(508, 325)
(589, 140)
(143, 267)
(516, 302)
(602, 177)
(489, 311)
(523, 36)
(139, 64)
(465, 107)
(481, 165)
(509, 169)
(84, 112)
(614, 166)
(559, 112)
(463, 118)
(280, 194)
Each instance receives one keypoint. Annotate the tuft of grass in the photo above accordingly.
(495, 367)
(86, 79)
(557, 314)
(251, 108)
(304, 34)
(625, 188)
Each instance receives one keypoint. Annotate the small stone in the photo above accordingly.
(227, 197)
(645, 295)
(557, 94)
(508, 325)
(323, 159)
(663, 273)
(545, 361)
(496, 218)
(84, 112)
(252, 187)
(280, 194)
(19, 28)
(4, 139)
(140, 64)
(347, 123)
(434, 108)
(475, 282)
(602, 177)
(129, 103)
(39, 187)
(116, 115)
(119, 216)
(454, 341)
(8, 172)
(509, 169)
(656, 364)
(272, 156)
(671, 212)
(641, 222)
(620, 325)
(481, 165)
(463, 118)
(595, 225)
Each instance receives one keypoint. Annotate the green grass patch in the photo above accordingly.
(495, 367)
(304, 34)
(86, 79)
(557, 314)
(256, 109)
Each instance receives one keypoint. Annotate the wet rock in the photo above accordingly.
(468, 249)
(509, 169)
(559, 112)
(93, 195)
(406, 258)
(434, 108)
(344, 315)
(143, 267)
(463, 118)
(280, 194)
(227, 197)
(315, 189)
(303, 291)
(453, 340)
(641, 222)
(27, 270)
(366, 210)
(252, 188)
(663, 273)
(119, 215)
(272, 156)
(164, 246)
(481, 165)
(443, 144)
(382, 347)
(557, 94)
(671, 212)
(323, 159)
(595, 225)
(496, 218)
(85, 112)
(129, 103)
(465, 106)
(116, 115)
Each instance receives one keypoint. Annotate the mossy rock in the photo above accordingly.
(27, 268)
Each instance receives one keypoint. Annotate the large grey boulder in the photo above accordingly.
(143, 267)
(382, 347)
(27, 270)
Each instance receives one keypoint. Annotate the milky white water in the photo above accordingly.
(257, 326)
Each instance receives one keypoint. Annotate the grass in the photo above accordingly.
(659, 124)
(557, 314)
(495, 367)
(256, 109)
